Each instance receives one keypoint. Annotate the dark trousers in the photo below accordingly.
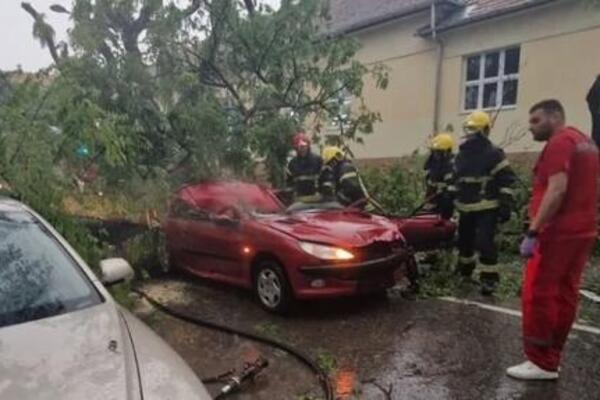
(476, 233)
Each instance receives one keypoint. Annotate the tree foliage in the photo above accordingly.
(178, 91)
(189, 90)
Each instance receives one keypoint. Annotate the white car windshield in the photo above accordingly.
(38, 278)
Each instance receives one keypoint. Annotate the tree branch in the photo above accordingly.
(250, 6)
(189, 11)
(47, 37)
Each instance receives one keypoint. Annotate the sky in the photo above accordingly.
(17, 45)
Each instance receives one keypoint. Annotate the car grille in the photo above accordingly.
(379, 249)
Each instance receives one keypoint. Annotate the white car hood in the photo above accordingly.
(69, 357)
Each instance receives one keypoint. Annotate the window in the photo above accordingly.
(492, 79)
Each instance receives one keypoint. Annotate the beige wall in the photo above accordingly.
(560, 57)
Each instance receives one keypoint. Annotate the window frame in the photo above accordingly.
(500, 80)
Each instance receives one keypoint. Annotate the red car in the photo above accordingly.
(241, 234)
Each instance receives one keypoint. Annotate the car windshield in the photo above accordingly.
(38, 279)
(259, 201)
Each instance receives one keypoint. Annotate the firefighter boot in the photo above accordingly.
(465, 267)
(489, 282)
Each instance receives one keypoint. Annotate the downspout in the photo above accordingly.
(438, 70)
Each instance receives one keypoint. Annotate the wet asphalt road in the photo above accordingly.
(426, 349)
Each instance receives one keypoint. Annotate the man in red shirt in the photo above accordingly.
(560, 239)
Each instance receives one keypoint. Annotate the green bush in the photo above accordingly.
(398, 188)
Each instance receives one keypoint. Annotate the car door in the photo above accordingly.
(228, 238)
(213, 236)
(185, 236)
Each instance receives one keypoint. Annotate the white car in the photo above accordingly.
(62, 336)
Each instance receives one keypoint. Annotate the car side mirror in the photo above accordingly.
(115, 270)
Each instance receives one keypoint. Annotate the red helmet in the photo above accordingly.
(300, 139)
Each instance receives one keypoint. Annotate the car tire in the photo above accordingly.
(271, 287)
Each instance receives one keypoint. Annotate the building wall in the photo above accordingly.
(560, 58)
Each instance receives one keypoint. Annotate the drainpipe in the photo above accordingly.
(438, 70)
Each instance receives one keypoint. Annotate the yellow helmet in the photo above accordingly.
(331, 152)
(476, 122)
(442, 141)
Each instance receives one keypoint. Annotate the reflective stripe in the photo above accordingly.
(475, 179)
(500, 166)
(343, 197)
(508, 191)
(308, 198)
(306, 177)
(328, 184)
(452, 188)
(448, 176)
(488, 268)
(479, 206)
(439, 185)
(348, 175)
(467, 260)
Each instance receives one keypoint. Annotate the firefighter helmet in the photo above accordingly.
(331, 152)
(478, 122)
(300, 139)
(442, 141)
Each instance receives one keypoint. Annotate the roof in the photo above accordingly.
(480, 10)
(351, 15)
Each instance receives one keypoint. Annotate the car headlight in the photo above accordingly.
(326, 252)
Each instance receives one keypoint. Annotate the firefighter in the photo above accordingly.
(302, 172)
(482, 189)
(340, 180)
(439, 167)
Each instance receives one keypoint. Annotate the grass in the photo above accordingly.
(307, 397)
(326, 361)
(268, 329)
(121, 294)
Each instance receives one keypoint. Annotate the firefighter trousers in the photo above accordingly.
(550, 297)
(476, 233)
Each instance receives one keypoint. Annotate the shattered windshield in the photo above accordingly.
(37, 277)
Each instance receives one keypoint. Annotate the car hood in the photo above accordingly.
(84, 354)
(346, 228)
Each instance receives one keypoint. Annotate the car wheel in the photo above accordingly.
(272, 288)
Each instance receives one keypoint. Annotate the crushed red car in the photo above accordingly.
(240, 233)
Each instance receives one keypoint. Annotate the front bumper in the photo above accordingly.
(345, 279)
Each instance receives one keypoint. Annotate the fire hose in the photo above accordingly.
(250, 370)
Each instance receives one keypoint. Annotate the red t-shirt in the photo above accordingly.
(572, 152)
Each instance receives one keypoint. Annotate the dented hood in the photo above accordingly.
(347, 228)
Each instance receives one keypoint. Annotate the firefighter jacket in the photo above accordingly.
(439, 172)
(593, 100)
(483, 178)
(302, 175)
(341, 182)
(438, 177)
